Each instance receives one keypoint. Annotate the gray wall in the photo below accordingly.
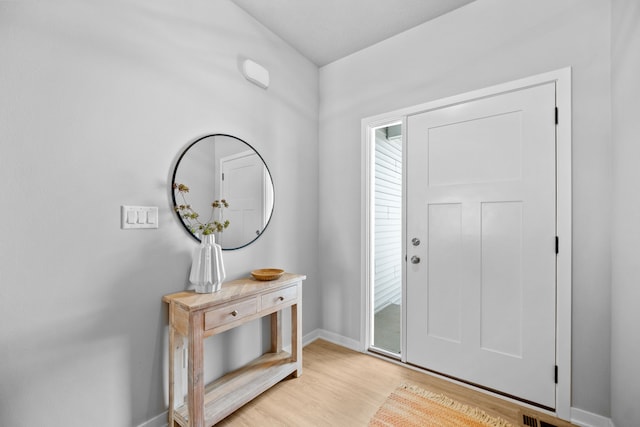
(625, 340)
(484, 43)
(98, 98)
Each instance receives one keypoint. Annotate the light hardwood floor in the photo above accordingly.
(341, 387)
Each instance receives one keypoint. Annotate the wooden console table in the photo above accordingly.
(198, 316)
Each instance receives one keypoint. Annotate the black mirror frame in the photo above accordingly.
(173, 180)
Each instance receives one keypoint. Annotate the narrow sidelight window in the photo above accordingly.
(386, 247)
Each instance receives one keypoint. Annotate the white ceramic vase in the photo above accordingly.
(207, 268)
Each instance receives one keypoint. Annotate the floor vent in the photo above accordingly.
(529, 421)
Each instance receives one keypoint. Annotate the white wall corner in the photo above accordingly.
(310, 337)
(584, 418)
(157, 421)
(333, 338)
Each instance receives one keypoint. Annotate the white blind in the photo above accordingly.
(388, 222)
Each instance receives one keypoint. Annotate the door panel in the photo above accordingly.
(481, 194)
(501, 255)
(444, 310)
(455, 157)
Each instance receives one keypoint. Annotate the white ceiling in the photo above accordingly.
(326, 30)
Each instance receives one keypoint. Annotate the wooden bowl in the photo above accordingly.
(267, 274)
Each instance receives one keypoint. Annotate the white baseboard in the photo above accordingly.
(157, 421)
(310, 337)
(584, 418)
(333, 338)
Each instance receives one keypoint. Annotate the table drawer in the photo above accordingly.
(279, 297)
(230, 313)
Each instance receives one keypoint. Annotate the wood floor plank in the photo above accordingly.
(341, 387)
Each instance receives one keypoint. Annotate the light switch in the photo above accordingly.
(131, 216)
(139, 217)
(152, 216)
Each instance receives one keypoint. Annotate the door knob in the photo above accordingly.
(415, 260)
(415, 241)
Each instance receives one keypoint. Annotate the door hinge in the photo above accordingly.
(557, 245)
(223, 176)
(556, 115)
(556, 374)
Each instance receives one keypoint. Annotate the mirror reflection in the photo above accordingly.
(218, 168)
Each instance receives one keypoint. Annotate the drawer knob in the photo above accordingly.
(234, 313)
(280, 298)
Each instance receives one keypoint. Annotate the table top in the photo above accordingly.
(232, 290)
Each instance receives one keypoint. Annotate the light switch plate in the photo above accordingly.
(138, 217)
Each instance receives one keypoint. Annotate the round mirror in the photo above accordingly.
(221, 185)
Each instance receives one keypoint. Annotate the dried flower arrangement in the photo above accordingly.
(191, 217)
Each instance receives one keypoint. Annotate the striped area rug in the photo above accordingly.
(411, 406)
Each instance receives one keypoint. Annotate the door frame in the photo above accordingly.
(368, 227)
(562, 80)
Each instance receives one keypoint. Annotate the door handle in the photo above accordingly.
(415, 260)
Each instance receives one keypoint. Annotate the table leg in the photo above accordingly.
(276, 332)
(296, 337)
(172, 353)
(196, 371)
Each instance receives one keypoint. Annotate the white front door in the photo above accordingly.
(481, 283)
